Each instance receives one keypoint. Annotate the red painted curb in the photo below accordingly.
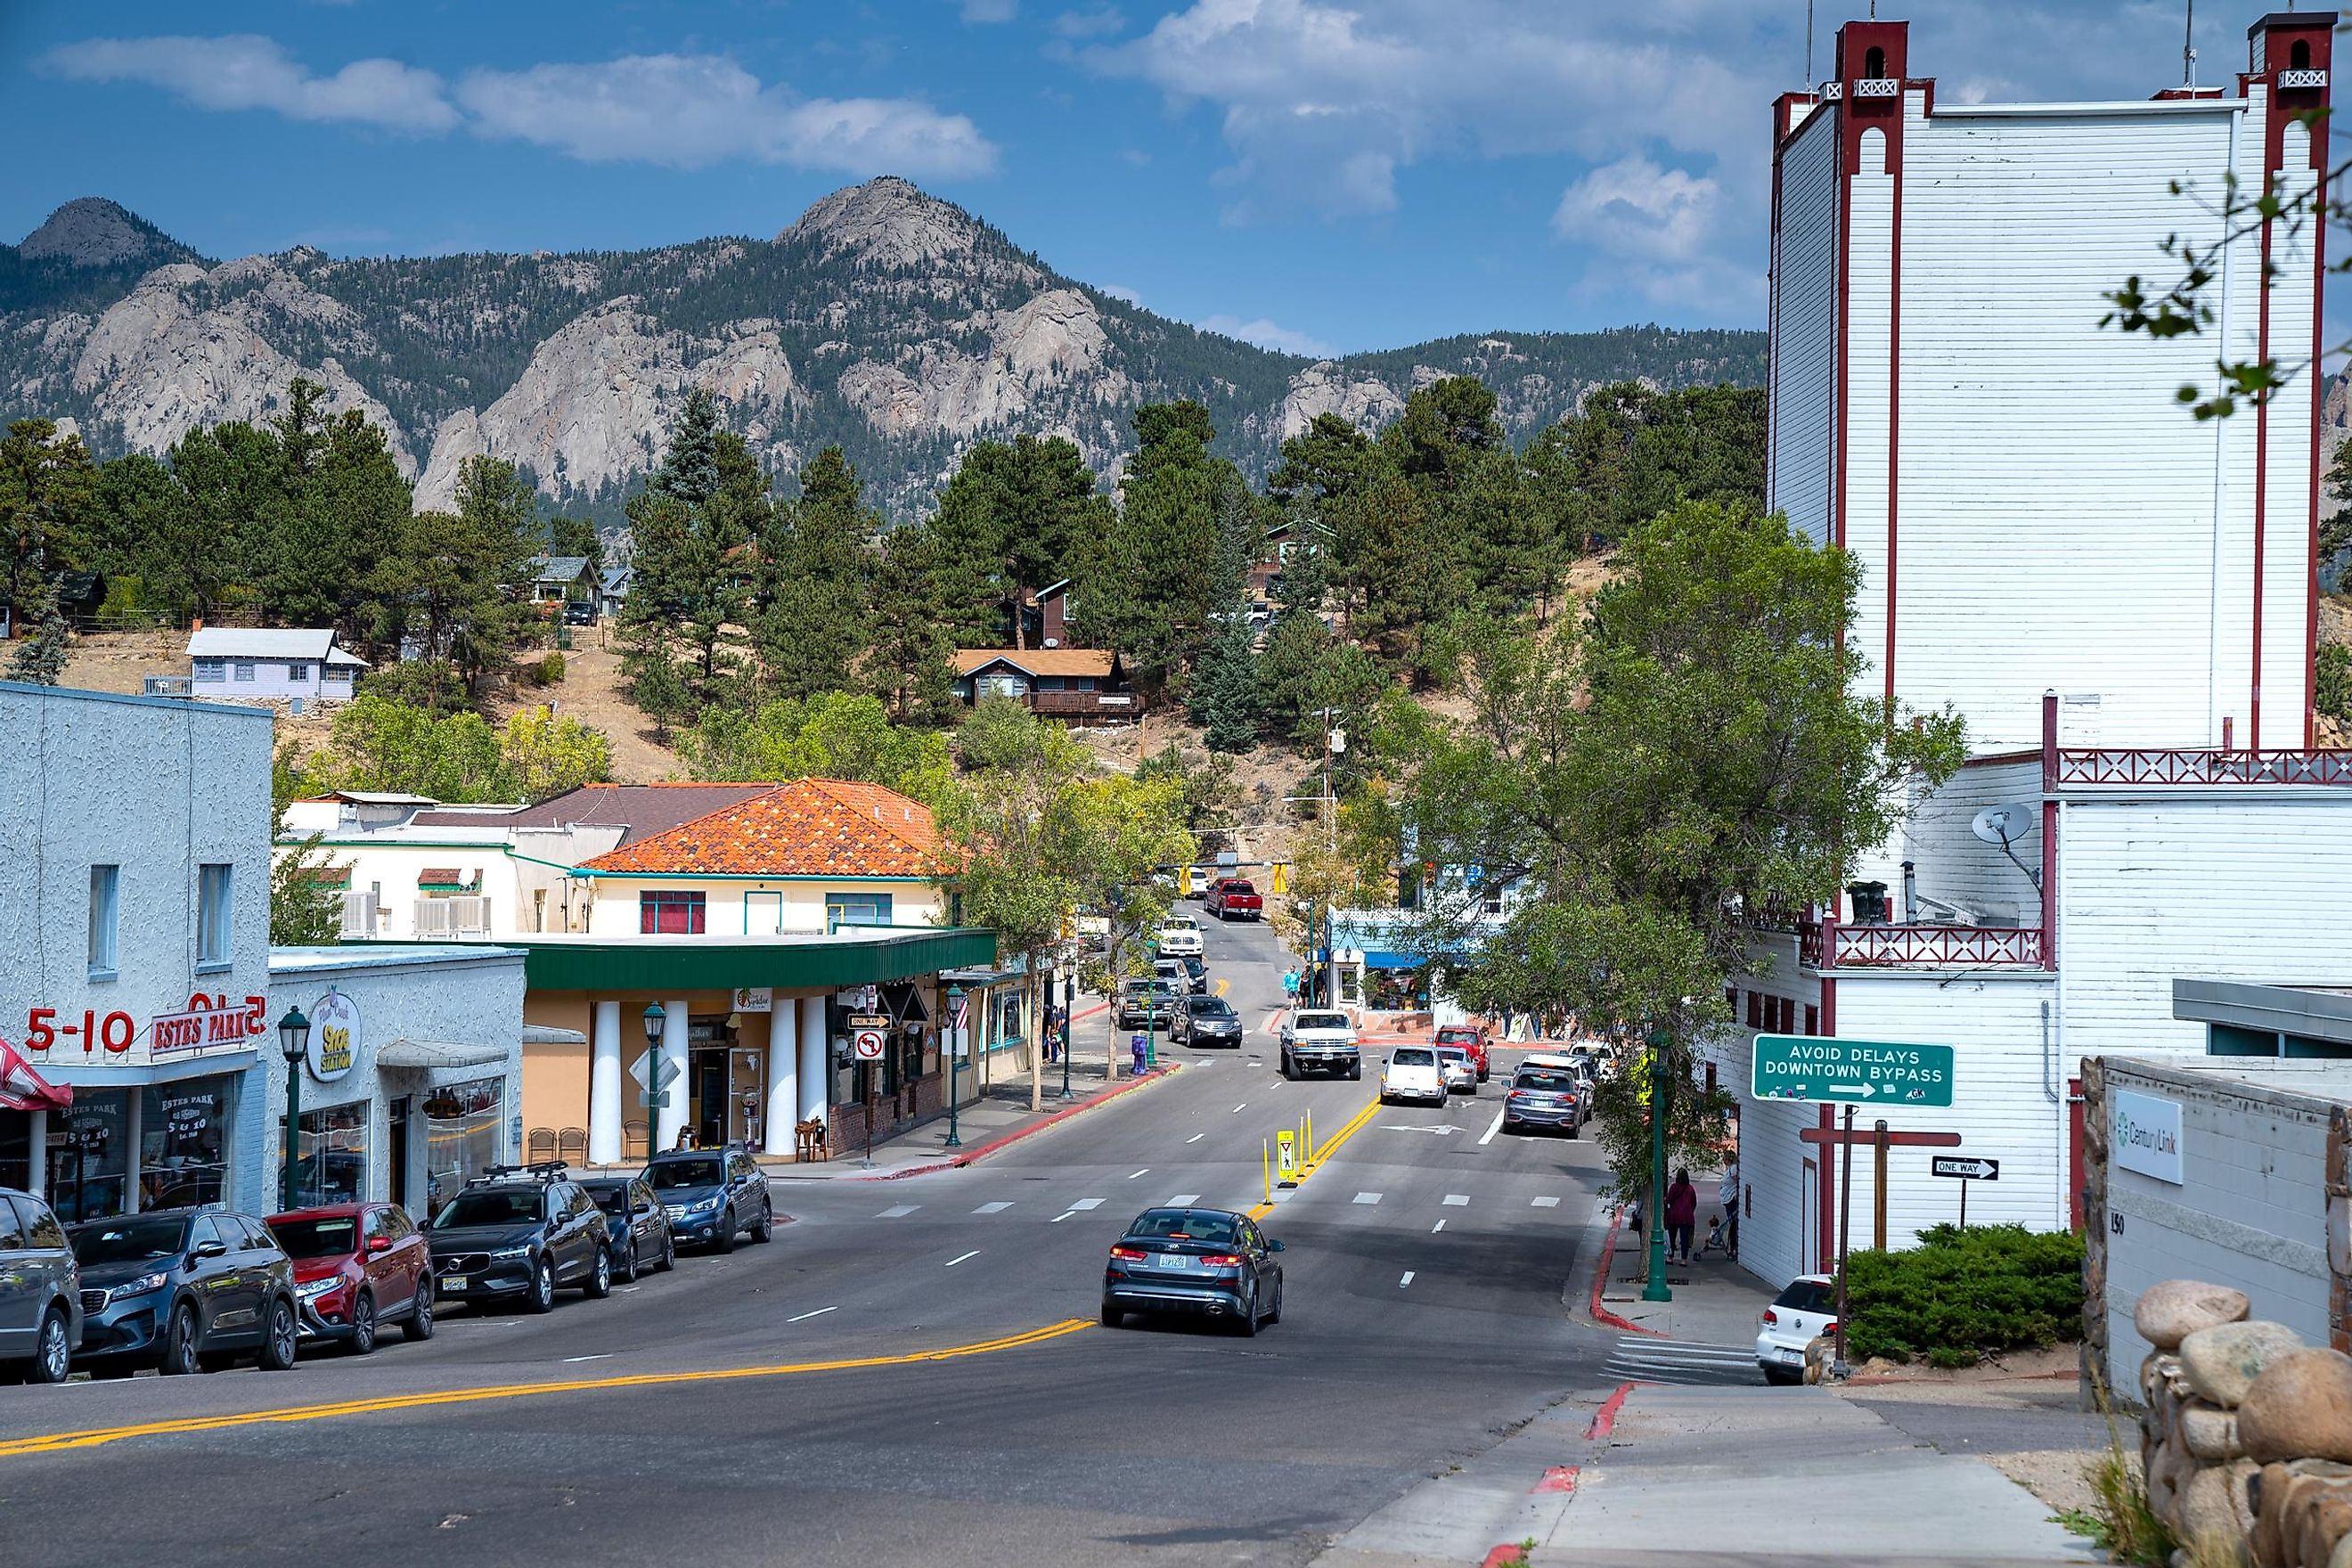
(1601, 1277)
(1509, 1552)
(1559, 1478)
(1018, 1134)
(1604, 1420)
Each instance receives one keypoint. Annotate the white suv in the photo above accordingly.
(1322, 1039)
(1179, 937)
(1412, 1073)
(1798, 1315)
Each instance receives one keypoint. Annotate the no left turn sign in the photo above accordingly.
(866, 1044)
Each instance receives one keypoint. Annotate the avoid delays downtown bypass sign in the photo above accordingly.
(1851, 1072)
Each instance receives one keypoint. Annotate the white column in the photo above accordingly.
(670, 1117)
(816, 1072)
(783, 1074)
(604, 1085)
(37, 1178)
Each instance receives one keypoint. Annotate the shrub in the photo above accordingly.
(2332, 695)
(549, 670)
(1960, 1295)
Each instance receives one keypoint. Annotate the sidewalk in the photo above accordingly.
(1716, 1300)
(1002, 1116)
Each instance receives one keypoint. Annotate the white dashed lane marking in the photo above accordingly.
(1145, 1171)
(1060, 1217)
(1457, 1200)
(1544, 1204)
(1242, 1107)
(1406, 1280)
(992, 1209)
(1438, 1226)
(1196, 1138)
(1083, 1205)
(898, 1211)
(1368, 1197)
(1180, 1199)
(965, 1258)
(804, 1317)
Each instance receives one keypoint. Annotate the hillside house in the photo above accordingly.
(242, 664)
(562, 580)
(1085, 685)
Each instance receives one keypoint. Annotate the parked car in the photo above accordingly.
(1323, 1039)
(518, 1230)
(1233, 898)
(181, 1290)
(356, 1268)
(1470, 1038)
(1209, 1261)
(636, 1225)
(1206, 1021)
(1455, 1066)
(40, 1292)
(711, 1194)
(1178, 935)
(580, 613)
(1199, 878)
(1146, 1003)
(1545, 1095)
(1412, 1073)
(1798, 1315)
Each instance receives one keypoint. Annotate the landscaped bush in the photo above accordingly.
(549, 670)
(1961, 1295)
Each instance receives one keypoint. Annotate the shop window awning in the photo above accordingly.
(408, 1053)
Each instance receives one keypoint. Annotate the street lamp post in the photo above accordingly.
(955, 1049)
(655, 1095)
(1069, 1026)
(1657, 1290)
(294, 1043)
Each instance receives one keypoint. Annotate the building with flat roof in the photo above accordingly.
(249, 664)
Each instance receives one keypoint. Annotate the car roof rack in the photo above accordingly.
(544, 1171)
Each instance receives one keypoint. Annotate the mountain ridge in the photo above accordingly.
(886, 319)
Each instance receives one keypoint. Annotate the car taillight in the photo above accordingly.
(1224, 1260)
(1129, 1253)
(1771, 1318)
(1830, 1326)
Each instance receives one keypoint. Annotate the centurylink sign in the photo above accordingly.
(1851, 1072)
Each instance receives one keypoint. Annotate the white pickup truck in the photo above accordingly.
(1322, 1040)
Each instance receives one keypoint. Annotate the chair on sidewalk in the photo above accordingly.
(572, 1144)
(541, 1145)
(635, 1137)
(808, 1140)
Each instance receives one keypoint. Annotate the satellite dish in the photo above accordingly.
(2002, 825)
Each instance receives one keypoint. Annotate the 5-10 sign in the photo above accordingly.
(208, 1021)
(113, 1031)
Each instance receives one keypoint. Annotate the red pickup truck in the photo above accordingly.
(1230, 898)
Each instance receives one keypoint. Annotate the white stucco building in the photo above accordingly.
(2117, 598)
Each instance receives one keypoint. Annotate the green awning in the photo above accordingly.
(701, 963)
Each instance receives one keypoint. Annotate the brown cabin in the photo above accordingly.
(1087, 685)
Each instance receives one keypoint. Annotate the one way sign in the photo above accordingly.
(1966, 1169)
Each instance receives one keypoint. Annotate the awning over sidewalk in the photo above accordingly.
(422, 1054)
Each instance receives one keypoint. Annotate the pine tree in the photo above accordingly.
(689, 465)
(40, 659)
(908, 666)
(1225, 688)
(1152, 597)
(815, 630)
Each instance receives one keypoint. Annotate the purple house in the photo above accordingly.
(237, 664)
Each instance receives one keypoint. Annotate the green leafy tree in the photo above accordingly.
(573, 536)
(834, 735)
(543, 754)
(1206, 787)
(690, 532)
(306, 908)
(457, 585)
(1159, 580)
(815, 632)
(334, 505)
(1116, 831)
(1630, 451)
(1698, 750)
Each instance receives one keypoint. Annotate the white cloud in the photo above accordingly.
(1634, 207)
(1098, 23)
(987, 11)
(1268, 334)
(246, 71)
(691, 110)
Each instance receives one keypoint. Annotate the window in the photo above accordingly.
(1051, 683)
(857, 909)
(183, 1142)
(1812, 1019)
(297, 672)
(1755, 1010)
(1085, 683)
(331, 1165)
(105, 917)
(213, 937)
(244, 668)
(212, 670)
(669, 913)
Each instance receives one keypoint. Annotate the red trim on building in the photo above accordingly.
(1824, 1235)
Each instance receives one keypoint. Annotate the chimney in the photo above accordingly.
(2296, 47)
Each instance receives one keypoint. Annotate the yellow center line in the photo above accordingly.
(1331, 1146)
(59, 1442)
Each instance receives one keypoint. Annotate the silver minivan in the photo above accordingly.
(40, 1292)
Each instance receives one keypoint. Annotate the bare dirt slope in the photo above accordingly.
(591, 692)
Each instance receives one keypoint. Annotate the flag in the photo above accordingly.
(22, 1089)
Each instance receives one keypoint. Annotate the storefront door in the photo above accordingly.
(397, 1132)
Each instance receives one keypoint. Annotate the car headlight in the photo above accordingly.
(139, 1286)
(706, 1205)
(503, 1252)
(312, 1289)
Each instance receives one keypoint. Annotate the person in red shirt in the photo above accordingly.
(1682, 1214)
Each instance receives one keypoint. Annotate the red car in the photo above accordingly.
(356, 1268)
(1233, 898)
(1470, 1038)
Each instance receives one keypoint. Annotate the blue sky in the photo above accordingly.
(1315, 174)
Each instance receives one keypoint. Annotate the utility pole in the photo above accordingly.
(1657, 1289)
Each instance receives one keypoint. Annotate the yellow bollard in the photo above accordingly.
(1265, 1154)
(1311, 1137)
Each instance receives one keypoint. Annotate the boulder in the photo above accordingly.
(2326, 1520)
(2270, 1490)
(2213, 1503)
(2169, 1312)
(2210, 1433)
(2222, 1362)
(2299, 1408)
(2283, 1494)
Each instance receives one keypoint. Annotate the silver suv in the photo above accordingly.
(40, 1292)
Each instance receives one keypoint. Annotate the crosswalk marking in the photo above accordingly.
(1083, 1205)
(992, 1209)
(1438, 1226)
(1649, 1360)
(1544, 1204)
(1457, 1200)
(1180, 1199)
(1368, 1197)
(1406, 1280)
(898, 1211)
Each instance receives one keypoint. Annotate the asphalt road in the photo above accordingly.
(1424, 1318)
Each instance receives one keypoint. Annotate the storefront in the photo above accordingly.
(411, 1080)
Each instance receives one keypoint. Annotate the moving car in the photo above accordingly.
(1412, 1073)
(1470, 1038)
(356, 1268)
(1546, 1094)
(1323, 1039)
(1178, 936)
(1233, 899)
(40, 1292)
(1798, 1315)
(1206, 1021)
(183, 1290)
(709, 1195)
(1209, 1261)
(1146, 1003)
(520, 1230)
(637, 1227)
(1455, 1066)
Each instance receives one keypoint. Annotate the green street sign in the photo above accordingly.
(1850, 1072)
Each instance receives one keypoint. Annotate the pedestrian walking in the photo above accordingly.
(1290, 984)
(1728, 1194)
(1682, 1214)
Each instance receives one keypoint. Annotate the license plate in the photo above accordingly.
(1174, 1260)
(1791, 1355)
(452, 1281)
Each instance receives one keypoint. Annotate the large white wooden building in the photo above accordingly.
(2119, 599)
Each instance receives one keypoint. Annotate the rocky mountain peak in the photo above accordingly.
(94, 232)
(886, 222)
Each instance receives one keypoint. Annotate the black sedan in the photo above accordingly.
(1210, 1262)
(637, 1227)
(183, 1290)
(1206, 1021)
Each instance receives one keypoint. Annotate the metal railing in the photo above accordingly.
(1822, 945)
(2098, 765)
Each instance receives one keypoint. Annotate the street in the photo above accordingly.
(694, 1415)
